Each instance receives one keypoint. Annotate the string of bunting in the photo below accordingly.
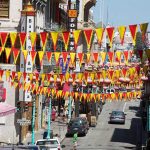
(20, 37)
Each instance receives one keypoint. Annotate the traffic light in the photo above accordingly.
(18, 106)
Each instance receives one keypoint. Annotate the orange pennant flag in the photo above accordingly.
(49, 55)
(76, 34)
(110, 33)
(122, 30)
(88, 56)
(54, 36)
(95, 56)
(25, 54)
(72, 57)
(8, 52)
(111, 57)
(3, 38)
(65, 54)
(143, 28)
(22, 36)
(40, 54)
(33, 36)
(57, 54)
(33, 55)
(13, 36)
(43, 36)
(126, 56)
(16, 53)
(118, 55)
(80, 56)
(88, 37)
(66, 37)
(103, 57)
(133, 31)
(99, 33)
(1, 50)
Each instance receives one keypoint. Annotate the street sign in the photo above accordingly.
(23, 121)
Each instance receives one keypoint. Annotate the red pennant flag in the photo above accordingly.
(73, 75)
(124, 71)
(95, 55)
(111, 56)
(66, 36)
(98, 75)
(80, 55)
(65, 54)
(88, 37)
(133, 29)
(48, 77)
(15, 54)
(24, 75)
(138, 69)
(37, 76)
(4, 36)
(13, 73)
(1, 74)
(140, 52)
(33, 55)
(43, 36)
(86, 74)
(49, 55)
(22, 36)
(126, 56)
(110, 33)
(111, 73)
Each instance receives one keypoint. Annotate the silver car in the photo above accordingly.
(117, 117)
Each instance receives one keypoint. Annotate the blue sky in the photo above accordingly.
(123, 12)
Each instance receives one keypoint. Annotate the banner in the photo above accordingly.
(88, 56)
(133, 31)
(118, 56)
(7, 52)
(25, 54)
(72, 57)
(33, 36)
(126, 56)
(66, 36)
(54, 36)
(122, 30)
(100, 33)
(49, 55)
(110, 33)
(16, 53)
(43, 36)
(13, 36)
(143, 28)
(40, 54)
(33, 55)
(95, 56)
(103, 57)
(22, 36)
(3, 38)
(88, 37)
(76, 35)
(111, 57)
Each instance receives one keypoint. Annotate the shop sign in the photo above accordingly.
(4, 8)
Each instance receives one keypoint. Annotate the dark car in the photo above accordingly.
(117, 117)
(45, 134)
(79, 125)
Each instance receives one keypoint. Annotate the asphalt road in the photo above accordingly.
(107, 136)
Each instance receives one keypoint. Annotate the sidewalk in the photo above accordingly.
(58, 126)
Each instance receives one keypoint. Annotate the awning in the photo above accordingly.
(6, 109)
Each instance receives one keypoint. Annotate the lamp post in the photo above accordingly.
(49, 117)
(33, 119)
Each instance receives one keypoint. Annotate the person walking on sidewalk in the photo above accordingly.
(75, 138)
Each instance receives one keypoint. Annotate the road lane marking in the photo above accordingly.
(124, 106)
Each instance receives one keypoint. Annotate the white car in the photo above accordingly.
(49, 144)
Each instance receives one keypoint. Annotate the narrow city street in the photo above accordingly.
(112, 136)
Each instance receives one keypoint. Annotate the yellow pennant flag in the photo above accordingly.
(76, 34)
(118, 55)
(67, 75)
(7, 73)
(57, 54)
(104, 74)
(99, 33)
(80, 75)
(19, 74)
(40, 54)
(92, 75)
(72, 57)
(31, 76)
(121, 95)
(8, 52)
(43, 77)
(122, 30)
(13, 36)
(54, 36)
(88, 56)
(1, 50)
(117, 73)
(33, 36)
(103, 56)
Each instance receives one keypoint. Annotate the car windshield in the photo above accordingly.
(117, 113)
(75, 123)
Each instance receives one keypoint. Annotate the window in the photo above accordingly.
(4, 8)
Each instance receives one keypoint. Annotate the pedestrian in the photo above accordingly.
(75, 138)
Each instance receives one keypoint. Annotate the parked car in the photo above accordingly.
(49, 144)
(45, 134)
(79, 125)
(117, 117)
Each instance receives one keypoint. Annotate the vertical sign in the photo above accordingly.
(72, 22)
